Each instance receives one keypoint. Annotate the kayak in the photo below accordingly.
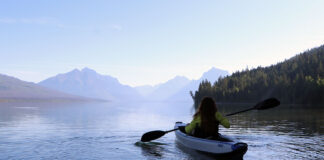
(222, 146)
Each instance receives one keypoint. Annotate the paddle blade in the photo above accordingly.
(268, 103)
(152, 135)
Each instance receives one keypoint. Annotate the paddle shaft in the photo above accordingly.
(240, 111)
(171, 130)
(249, 109)
(225, 115)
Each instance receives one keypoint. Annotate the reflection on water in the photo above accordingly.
(151, 148)
(112, 131)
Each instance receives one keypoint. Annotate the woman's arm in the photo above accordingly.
(222, 120)
(191, 126)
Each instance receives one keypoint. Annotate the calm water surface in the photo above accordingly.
(111, 131)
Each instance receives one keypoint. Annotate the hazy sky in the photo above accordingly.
(147, 42)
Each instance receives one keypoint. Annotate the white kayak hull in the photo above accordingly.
(210, 146)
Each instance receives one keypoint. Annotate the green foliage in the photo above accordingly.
(297, 80)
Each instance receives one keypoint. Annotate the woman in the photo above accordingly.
(206, 120)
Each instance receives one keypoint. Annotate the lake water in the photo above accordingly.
(110, 131)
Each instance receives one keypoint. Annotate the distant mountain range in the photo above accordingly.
(13, 89)
(78, 84)
(89, 83)
(211, 75)
(163, 91)
(178, 88)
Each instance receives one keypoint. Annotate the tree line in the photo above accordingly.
(298, 80)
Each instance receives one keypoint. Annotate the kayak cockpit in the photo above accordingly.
(220, 137)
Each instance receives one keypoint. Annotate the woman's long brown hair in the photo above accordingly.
(207, 110)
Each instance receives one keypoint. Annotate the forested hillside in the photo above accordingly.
(298, 80)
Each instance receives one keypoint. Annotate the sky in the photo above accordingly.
(151, 41)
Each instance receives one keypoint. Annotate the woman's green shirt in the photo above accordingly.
(197, 121)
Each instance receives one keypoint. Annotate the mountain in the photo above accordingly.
(162, 91)
(89, 83)
(211, 75)
(13, 89)
(146, 90)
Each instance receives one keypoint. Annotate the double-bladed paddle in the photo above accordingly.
(266, 104)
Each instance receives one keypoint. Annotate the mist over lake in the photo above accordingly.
(112, 130)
